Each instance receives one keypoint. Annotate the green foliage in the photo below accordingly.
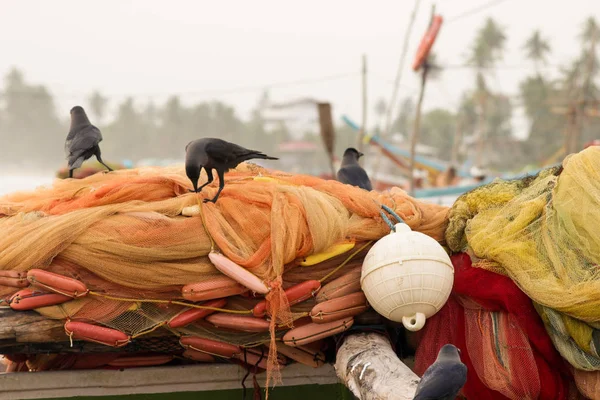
(32, 130)
(437, 129)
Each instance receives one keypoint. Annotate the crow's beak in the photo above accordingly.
(360, 155)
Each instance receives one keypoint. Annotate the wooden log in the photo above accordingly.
(29, 327)
(368, 366)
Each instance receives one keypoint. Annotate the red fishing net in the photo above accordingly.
(502, 339)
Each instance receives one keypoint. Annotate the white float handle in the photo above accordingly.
(414, 323)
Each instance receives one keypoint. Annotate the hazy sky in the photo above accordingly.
(208, 49)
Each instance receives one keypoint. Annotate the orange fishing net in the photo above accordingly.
(135, 237)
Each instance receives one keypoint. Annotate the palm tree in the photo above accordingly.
(591, 31)
(536, 93)
(536, 49)
(485, 51)
(98, 105)
(590, 38)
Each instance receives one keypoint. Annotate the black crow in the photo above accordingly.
(351, 172)
(444, 378)
(211, 153)
(82, 140)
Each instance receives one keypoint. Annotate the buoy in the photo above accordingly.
(29, 299)
(427, 42)
(339, 308)
(215, 288)
(312, 332)
(194, 314)
(342, 286)
(14, 279)
(312, 359)
(140, 360)
(238, 273)
(96, 333)
(238, 322)
(57, 283)
(407, 277)
(295, 294)
(209, 346)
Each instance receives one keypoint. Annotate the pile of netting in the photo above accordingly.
(525, 307)
(137, 238)
(88, 169)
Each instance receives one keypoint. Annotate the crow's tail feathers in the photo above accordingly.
(255, 155)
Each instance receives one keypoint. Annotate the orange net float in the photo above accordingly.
(93, 361)
(215, 288)
(339, 308)
(295, 294)
(427, 42)
(301, 355)
(14, 279)
(342, 286)
(312, 332)
(94, 333)
(194, 314)
(314, 347)
(29, 299)
(141, 360)
(57, 283)
(237, 273)
(199, 356)
(209, 346)
(238, 322)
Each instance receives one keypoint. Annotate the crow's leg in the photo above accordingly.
(99, 158)
(209, 174)
(221, 175)
(70, 173)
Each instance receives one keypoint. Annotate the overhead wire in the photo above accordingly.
(474, 10)
(233, 90)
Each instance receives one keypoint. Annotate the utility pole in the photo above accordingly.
(363, 127)
(417, 126)
(457, 138)
(392, 102)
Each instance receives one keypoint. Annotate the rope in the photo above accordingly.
(73, 295)
(212, 242)
(245, 376)
(387, 220)
(346, 261)
(155, 327)
(209, 353)
(179, 303)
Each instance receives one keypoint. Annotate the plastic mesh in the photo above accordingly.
(542, 233)
(138, 235)
(501, 337)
